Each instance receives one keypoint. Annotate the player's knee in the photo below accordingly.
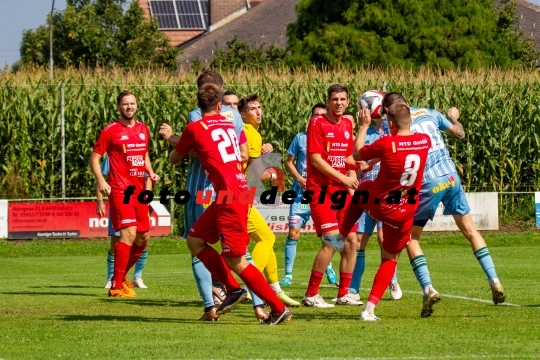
(142, 239)
(195, 245)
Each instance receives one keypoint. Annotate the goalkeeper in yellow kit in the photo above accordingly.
(263, 253)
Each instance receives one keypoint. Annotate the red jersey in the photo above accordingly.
(334, 142)
(126, 148)
(403, 159)
(214, 138)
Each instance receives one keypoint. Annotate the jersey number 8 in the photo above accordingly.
(412, 164)
(227, 139)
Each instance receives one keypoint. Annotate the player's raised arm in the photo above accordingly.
(456, 129)
(165, 130)
(364, 119)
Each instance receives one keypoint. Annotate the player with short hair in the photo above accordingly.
(331, 172)
(299, 213)
(126, 141)
(441, 169)
(263, 252)
(196, 181)
(214, 139)
(393, 196)
(366, 224)
(230, 98)
(101, 211)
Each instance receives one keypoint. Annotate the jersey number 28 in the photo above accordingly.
(227, 140)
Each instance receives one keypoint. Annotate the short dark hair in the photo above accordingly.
(208, 97)
(318, 106)
(122, 95)
(337, 88)
(242, 104)
(227, 93)
(209, 77)
(392, 98)
(400, 114)
(348, 112)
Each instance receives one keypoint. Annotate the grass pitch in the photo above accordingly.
(53, 305)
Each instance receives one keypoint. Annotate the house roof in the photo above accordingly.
(265, 23)
(528, 16)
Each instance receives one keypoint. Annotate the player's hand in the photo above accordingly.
(104, 188)
(165, 130)
(154, 177)
(302, 183)
(364, 117)
(453, 114)
(278, 178)
(193, 152)
(267, 148)
(349, 182)
(101, 210)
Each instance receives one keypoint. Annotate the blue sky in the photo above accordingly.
(19, 15)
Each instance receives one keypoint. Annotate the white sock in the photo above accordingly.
(329, 265)
(494, 281)
(369, 308)
(426, 289)
(275, 286)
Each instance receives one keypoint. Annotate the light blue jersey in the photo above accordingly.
(373, 135)
(298, 150)
(196, 179)
(431, 123)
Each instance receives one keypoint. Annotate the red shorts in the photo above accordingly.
(396, 234)
(126, 215)
(326, 219)
(226, 223)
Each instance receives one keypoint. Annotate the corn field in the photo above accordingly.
(500, 112)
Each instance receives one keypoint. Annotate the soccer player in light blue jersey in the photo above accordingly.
(299, 214)
(366, 224)
(442, 184)
(115, 236)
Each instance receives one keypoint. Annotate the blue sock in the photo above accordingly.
(203, 279)
(358, 271)
(256, 300)
(139, 265)
(110, 266)
(394, 278)
(290, 255)
(421, 271)
(486, 262)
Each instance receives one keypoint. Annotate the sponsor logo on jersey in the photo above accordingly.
(337, 162)
(136, 160)
(330, 135)
(419, 112)
(228, 115)
(124, 137)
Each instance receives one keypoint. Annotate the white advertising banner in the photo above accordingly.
(537, 208)
(3, 219)
(484, 211)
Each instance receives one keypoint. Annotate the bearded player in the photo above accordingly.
(126, 143)
(393, 196)
(214, 139)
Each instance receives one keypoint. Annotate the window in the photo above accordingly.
(180, 14)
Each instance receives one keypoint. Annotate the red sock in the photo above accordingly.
(121, 257)
(314, 283)
(382, 280)
(134, 255)
(344, 283)
(217, 267)
(255, 281)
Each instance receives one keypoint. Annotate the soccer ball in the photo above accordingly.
(372, 100)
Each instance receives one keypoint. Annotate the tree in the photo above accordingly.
(411, 33)
(241, 55)
(100, 33)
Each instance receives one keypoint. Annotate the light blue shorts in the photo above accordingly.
(366, 224)
(299, 215)
(446, 189)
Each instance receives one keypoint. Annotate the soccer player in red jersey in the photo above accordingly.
(126, 143)
(215, 141)
(330, 176)
(393, 196)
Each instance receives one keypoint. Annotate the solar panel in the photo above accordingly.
(180, 14)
